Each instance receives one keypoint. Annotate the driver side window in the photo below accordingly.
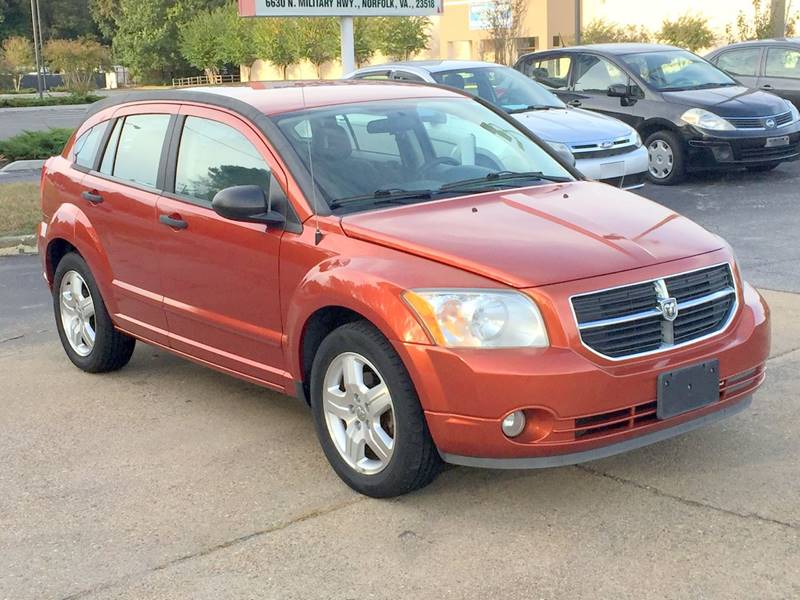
(595, 74)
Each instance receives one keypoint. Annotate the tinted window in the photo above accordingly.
(783, 62)
(107, 164)
(501, 86)
(675, 70)
(740, 62)
(373, 75)
(595, 74)
(85, 148)
(139, 148)
(552, 72)
(405, 76)
(213, 156)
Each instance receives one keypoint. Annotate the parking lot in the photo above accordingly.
(168, 480)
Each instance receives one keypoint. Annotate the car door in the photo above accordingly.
(221, 294)
(743, 64)
(782, 73)
(120, 193)
(592, 75)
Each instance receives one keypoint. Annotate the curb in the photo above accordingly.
(18, 244)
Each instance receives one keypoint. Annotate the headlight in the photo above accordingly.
(638, 139)
(706, 120)
(794, 111)
(479, 319)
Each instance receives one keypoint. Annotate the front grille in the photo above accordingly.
(656, 315)
(600, 150)
(762, 152)
(760, 122)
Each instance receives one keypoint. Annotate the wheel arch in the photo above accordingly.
(649, 127)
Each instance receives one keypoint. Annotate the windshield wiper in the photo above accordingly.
(512, 111)
(501, 177)
(702, 86)
(384, 196)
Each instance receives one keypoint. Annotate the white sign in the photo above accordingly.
(339, 8)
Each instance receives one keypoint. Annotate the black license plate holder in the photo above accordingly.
(688, 388)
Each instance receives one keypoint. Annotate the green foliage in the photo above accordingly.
(759, 27)
(279, 41)
(601, 31)
(401, 37)
(217, 37)
(59, 18)
(34, 144)
(49, 100)
(319, 40)
(365, 34)
(692, 33)
(16, 58)
(77, 60)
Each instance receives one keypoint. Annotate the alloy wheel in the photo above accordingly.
(661, 159)
(359, 413)
(77, 313)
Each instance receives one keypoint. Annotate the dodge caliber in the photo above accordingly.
(475, 303)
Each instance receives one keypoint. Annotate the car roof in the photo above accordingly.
(272, 98)
(767, 42)
(616, 49)
(431, 66)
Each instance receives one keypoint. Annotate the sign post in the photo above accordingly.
(346, 10)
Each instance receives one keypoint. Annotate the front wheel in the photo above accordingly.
(666, 158)
(367, 415)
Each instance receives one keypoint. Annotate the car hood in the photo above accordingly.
(572, 126)
(733, 101)
(538, 235)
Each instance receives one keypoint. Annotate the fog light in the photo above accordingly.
(514, 423)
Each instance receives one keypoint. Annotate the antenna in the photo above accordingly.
(317, 232)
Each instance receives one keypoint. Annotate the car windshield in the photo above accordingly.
(676, 70)
(371, 154)
(501, 86)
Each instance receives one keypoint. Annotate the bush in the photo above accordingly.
(49, 100)
(692, 33)
(601, 31)
(34, 144)
(77, 61)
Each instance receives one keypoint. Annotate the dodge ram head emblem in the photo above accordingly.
(669, 308)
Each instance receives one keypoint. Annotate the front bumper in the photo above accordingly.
(580, 406)
(729, 149)
(623, 170)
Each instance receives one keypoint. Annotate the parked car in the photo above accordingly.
(692, 115)
(771, 65)
(603, 148)
(479, 305)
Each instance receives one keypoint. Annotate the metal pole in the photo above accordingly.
(41, 46)
(348, 45)
(577, 22)
(36, 49)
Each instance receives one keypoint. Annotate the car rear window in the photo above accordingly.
(138, 151)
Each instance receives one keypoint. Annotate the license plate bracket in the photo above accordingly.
(775, 142)
(688, 388)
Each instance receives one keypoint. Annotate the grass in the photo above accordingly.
(49, 100)
(34, 144)
(19, 208)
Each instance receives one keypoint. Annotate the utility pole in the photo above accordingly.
(348, 45)
(778, 18)
(577, 22)
(36, 35)
(41, 46)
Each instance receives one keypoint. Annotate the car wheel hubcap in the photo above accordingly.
(359, 413)
(661, 159)
(77, 313)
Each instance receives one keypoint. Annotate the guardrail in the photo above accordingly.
(205, 80)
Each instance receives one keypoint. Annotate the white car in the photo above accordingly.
(603, 148)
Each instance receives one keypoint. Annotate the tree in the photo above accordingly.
(213, 38)
(365, 35)
(761, 25)
(601, 31)
(504, 21)
(692, 33)
(319, 41)
(400, 37)
(17, 58)
(77, 61)
(278, 41)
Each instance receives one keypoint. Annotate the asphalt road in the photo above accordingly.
(168, 480)
(17, 120)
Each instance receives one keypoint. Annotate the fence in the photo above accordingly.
(205, 80)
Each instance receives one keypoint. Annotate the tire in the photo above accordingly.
(667, 158)
(109, 350)
(412, 460)
(762, 168)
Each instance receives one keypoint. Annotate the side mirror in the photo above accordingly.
(245, 203)
(618, 90)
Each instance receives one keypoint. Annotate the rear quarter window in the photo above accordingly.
(85, 148)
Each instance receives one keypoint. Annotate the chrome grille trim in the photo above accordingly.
(759, 123)
(667, 338)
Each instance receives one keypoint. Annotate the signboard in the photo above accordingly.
(339, 8)
(477, 15)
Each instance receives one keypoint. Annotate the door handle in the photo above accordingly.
(766, 86)
(575, 103)
(174, 222)
(92, 197)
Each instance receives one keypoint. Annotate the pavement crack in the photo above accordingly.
(694, 503)
(782, 354)
(312, 514)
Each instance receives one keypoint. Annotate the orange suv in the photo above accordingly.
(429, 276)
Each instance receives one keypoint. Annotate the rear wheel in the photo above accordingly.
(762, 168)
(666, 158)
(367, 414)
(86, 331)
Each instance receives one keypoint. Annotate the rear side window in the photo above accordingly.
(552, 72)
(213, 156)
(138, 150)
(783, 62)
(107, 164)
(740, 62)
(85, 148)
(595, 74)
